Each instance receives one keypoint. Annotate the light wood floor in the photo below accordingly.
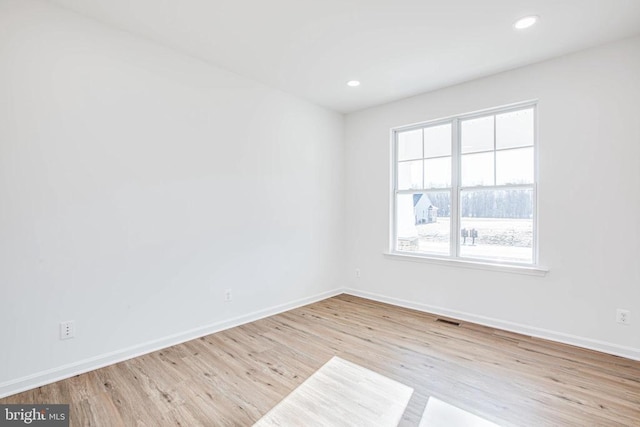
(236, 376)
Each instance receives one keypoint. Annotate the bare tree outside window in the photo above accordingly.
(465, 187)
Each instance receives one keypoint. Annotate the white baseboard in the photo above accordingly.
(66, 371)
(602, 346)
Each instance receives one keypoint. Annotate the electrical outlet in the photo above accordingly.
(67, 330)
(623, 316)
(357, 272)
(228, 296)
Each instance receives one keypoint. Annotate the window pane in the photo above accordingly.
(437, 141)
(410, 145)
(437, 172)
(410, 175)
(477, 135)
(497, 224)
(514, 166)
(477, 169)
(514, 129)
(422, 222)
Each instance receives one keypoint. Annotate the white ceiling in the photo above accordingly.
(396, 48)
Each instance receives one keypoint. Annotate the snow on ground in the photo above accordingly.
(498, 238)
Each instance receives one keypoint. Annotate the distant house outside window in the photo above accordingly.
(465, 187)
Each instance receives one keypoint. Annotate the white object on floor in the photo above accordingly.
(441, 414)
(341, 393)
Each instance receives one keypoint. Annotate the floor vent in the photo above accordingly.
(448, 322)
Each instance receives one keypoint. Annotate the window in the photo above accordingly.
(465, 187)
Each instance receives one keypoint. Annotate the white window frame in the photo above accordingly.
(456, 189)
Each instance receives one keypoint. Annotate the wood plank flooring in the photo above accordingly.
(341, 394)
(234, 377)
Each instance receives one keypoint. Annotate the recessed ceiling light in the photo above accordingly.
(353, 83)
(525, 22)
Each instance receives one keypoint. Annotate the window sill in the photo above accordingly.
(479, 265)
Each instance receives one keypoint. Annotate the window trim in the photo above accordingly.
(456, 189)
(527, 269)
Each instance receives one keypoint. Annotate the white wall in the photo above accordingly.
(589, 161)
(137, 184)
